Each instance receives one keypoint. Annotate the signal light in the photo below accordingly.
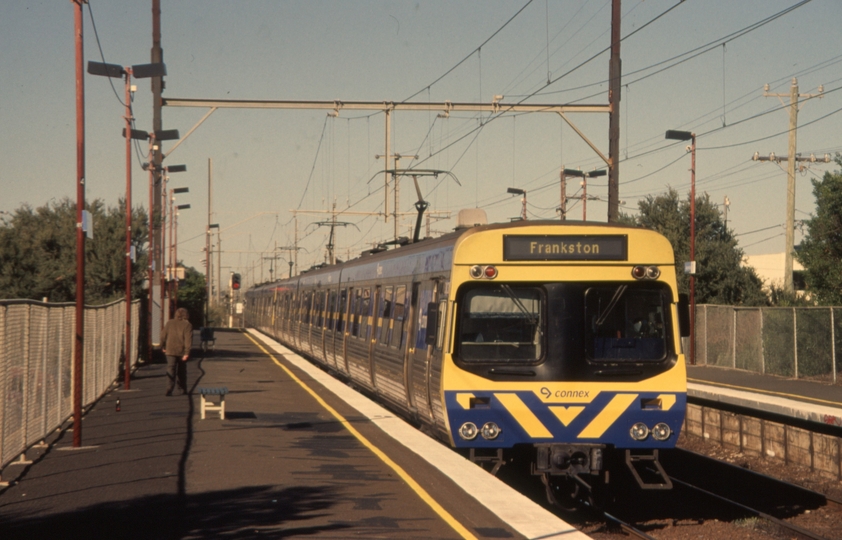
(235, 282)
(646, 272)
(487, 272)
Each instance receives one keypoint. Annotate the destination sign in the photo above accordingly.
(565, 247)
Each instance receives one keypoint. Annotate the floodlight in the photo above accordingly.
(143, 71)
(106, 70)
(167, 135)
(137, 134)
(679, 135)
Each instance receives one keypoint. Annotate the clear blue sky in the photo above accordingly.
(267, 163)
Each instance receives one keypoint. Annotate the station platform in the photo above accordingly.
(298, 454)
(803, 400)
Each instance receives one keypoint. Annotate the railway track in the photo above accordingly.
(711, 499)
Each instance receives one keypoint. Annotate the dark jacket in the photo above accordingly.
(177, 337)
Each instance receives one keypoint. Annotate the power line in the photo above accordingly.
(449, 71)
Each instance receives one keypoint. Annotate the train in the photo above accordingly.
(556, 340)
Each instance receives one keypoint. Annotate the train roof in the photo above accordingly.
(330, 274)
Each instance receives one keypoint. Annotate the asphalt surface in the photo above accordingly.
(280, 465)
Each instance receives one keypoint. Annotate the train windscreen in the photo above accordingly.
(594, 323)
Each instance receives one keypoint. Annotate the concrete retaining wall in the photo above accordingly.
(754, 436)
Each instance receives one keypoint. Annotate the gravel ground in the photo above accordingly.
(825, 521)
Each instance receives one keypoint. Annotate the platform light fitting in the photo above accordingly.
(167, 135)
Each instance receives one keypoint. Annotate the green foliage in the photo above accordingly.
(720, 278)
(192, 294)
(38, 253)
(780, 297)
(821, 250)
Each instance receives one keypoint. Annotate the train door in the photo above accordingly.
(435, 338)
(417, 355)
(371, 332)
(330, 330)
(342, 330)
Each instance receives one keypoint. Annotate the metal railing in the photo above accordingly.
(36, 365)
(797, 342)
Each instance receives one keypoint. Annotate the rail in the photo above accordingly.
(36, 365)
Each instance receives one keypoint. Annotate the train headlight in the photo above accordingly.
(661, 432)
(639, 431)
(490, 431)
(468, 431)
(477, 271)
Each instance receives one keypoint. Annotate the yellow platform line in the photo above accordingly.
(422, 493)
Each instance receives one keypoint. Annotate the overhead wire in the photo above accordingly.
(449, 71)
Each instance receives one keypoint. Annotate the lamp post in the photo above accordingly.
(139, 71)
(688, 136)
(584, 176)
(162, 254)
(208, 267)
(516, 191)
(172, 255)
(154, 224)
(175, 256)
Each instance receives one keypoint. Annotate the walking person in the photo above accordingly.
(176, 340)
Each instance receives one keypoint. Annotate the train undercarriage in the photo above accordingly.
(579, 475)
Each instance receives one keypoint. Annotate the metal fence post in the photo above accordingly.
(795, 341)
(762, 346)
(832, 345)
(734, 340)
(26, 360)
(3, 383)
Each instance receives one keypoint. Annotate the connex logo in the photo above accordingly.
(546, 392)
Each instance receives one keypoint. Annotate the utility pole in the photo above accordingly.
(79, 342)
(789, 248)
(156, 234)
(614, 77)
(727, 205)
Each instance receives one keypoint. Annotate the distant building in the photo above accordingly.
(770, 269)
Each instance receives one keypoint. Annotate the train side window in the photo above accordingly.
(330, 318)
(341, 310)
(385, 316)
(442, 312)
(306, 306)
(398, 317)
(365, 314)
(354, 312)
(295, 307)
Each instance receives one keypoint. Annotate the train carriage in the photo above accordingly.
(562, 338)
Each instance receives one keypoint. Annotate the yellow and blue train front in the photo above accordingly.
(624, 419)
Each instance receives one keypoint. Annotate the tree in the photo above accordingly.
(821, 250)
(38, 253)
(192, 294)
(720, 278)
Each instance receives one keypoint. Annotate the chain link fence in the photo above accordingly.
(801, 343)
(36, 365)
